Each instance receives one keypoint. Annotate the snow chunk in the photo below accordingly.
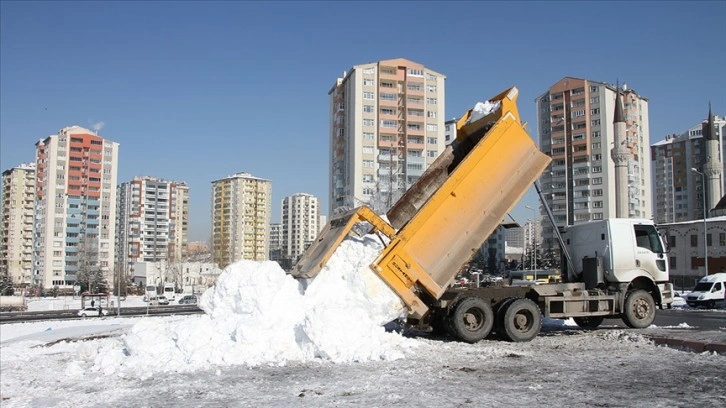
(482, 109)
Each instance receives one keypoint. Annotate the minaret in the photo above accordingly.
(621, 156)
(712, 167)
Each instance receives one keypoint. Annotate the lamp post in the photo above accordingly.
(703, 199)
(534, 240)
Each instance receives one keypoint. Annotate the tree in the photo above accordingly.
(6, 284)
(89, 275)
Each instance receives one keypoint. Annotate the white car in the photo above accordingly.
(163, 300)
(92, 311)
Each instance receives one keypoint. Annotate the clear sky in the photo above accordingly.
(196, 91)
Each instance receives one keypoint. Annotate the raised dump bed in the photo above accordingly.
(444, 218)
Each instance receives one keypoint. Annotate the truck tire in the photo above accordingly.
(521, 320)
(588, 322)
(471, 320)
(501, 307)
(639, 309)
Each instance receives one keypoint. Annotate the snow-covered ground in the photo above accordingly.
(268, 340)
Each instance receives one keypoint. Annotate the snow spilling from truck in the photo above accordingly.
(256, 314)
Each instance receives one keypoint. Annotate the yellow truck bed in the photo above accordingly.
(444, 218)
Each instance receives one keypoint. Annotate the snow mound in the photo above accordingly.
(257, 314)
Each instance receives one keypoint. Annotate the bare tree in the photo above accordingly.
(89, 275)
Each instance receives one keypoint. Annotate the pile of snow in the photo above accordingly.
(482, 109)
(256, 314)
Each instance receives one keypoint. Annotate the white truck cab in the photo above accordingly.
(709, 291)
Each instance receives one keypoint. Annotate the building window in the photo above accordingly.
(432, 140)
(368, 108)
(722, 239)
(595, 122)
(367, 135)
(415, 72)
(388, 97)
(672, 261)
(431, 114)
(388, 123)
(368, 82)
(694, 241)
(708, 240)
(369, 95)
(578, 113)
(369, 71)
(431, 101)
(368, 163)
(368, 149)
(432, 128)
(431, 153)
(594, 89)
(368, 122)
(595, 111)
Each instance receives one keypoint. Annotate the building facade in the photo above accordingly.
(241, 211)
(275, 241)
(152, 221)
(386, 128)
(16, 229)
(686, 253)
(75, 207)
(677, 189)
(300, 217)
(576, 128)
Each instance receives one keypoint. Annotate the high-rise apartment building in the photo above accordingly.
(677, 190)
(16, 229)
(275, 241)
(152, 221)
(75, 207)
(241, 210)
(386, 128)
(300, 217)
(576, 128)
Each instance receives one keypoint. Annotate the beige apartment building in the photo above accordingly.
(75, 207)
(386, 128)
(576, 128)
(16, 229)
(241, 211)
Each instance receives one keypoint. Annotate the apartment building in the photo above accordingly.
(577, 127)
(152, 221)
(300, 217)
(677, 189)
(16, 229)
(241, 210)
(275, 241)
(386, 128)
(75, 207)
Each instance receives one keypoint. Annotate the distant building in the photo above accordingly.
(16, 230)
(577, 127)
(275, 242)
(386, 128)
(241, 208)
(152, 221)
(450, 131)
(300, 217)
(197, 247)
(75, 207)
(677, 190)
(187, 276)
(686, 252)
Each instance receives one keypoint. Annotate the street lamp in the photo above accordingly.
(703, 198)
(534, 240)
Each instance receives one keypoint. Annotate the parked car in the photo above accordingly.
(163, 300)
(91, 311)
(188, 300)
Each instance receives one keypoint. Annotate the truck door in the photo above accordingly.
(649, 254)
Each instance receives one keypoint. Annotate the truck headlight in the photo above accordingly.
(700, 297)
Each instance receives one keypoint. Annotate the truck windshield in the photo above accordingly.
(646, 236)
(703, 287)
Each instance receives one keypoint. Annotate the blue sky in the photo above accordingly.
(195, 91)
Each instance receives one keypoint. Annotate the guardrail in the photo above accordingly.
(16, 317)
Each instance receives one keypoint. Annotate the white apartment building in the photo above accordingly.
(275, 241)
(575, 127)
(16, 230)
(300, 217)
(386, 128)
(241, 211)
(677, 189)
(75, 207)
(152, 221)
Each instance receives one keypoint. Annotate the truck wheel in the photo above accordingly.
(639, 309)
(521, 320)
(471, 320)
(711, 304)
(588, 322)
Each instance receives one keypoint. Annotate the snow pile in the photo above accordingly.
(256, 314)
(482, 109)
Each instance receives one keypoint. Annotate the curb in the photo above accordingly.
(692, 345)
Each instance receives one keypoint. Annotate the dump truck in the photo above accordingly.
(442, 220)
